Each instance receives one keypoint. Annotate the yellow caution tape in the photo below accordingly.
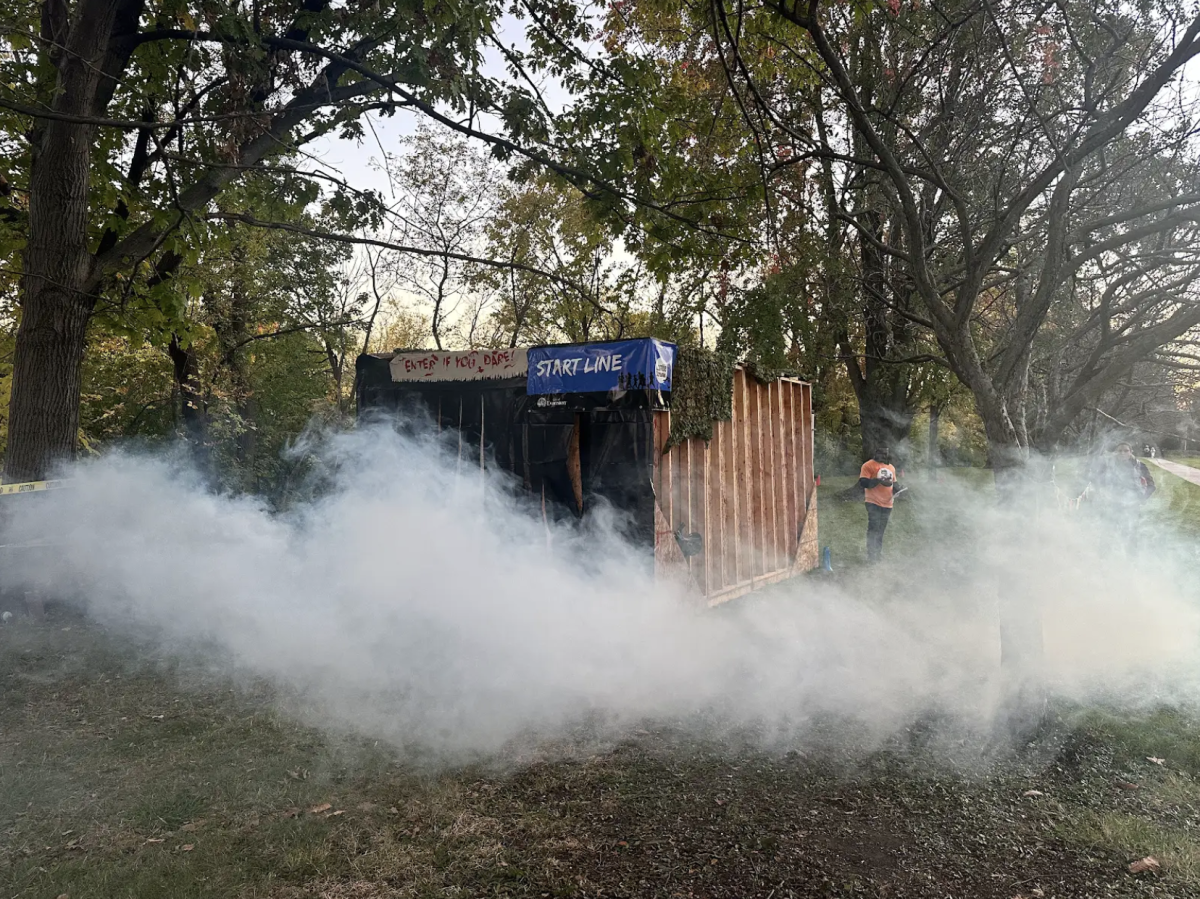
(30, 487)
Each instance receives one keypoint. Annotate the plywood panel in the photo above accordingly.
(744, 492)
(704, 452)
(808, 556)
(713, 549)
(755, 473)
(805, 423)
(768, 479)
(724, 433)
(741, 460)
(808, 494)
(662, 425)
(781, 479)
(762, 499)
(729, 500)
(790, 478)
(694, 455)
(804, 466)
(798, 441)
(688, 484)
(678, 507)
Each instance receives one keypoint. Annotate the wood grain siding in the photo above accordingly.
(748, 492)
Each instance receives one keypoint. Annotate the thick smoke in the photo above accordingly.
(422, 603)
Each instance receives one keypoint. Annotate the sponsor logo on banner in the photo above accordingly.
(475, 365)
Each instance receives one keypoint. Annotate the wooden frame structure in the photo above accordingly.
(749, 493)
(726, 516)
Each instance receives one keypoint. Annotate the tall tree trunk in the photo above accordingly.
(56, 304)
(192, 405)
(883, 424)
(230, 305)
(244, 400)
(247, 442)
(44, 411)
(881, 386)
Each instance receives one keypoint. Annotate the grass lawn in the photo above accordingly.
(1192, 461)
(123, 775)
(1175, 506)
(127, 775)
(1171, 515)
(915, 520)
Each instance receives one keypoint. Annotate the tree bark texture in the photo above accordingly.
(881, 386)
(57, 293)
(192, 404)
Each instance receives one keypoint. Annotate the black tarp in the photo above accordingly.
(530, 438)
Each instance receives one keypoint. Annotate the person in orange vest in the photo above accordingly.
(878, 480)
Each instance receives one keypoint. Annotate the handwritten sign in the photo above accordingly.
(474, 365)
(601, 367)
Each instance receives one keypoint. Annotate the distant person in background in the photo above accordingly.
(1121, 487)
(878, 480)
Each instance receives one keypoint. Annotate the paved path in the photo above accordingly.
(1184, 471)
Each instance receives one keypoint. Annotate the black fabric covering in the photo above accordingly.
(530, 438)
(616, 448)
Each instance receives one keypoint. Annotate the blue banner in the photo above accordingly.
(601, 367)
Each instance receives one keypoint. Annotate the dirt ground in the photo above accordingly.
(126, 774)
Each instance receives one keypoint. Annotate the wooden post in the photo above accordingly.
(458, 463)
(712, 547)
(758, 510)
(574, 468)
(788, 434)
(482, 442)
(717, 501)
(678, 493)
(667, 469)
(778, 477)
(743, 496)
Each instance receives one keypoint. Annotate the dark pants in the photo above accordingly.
(877, 519)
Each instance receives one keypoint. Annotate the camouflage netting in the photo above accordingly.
(701, 392)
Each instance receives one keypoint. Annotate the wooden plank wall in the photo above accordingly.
(749, 492)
